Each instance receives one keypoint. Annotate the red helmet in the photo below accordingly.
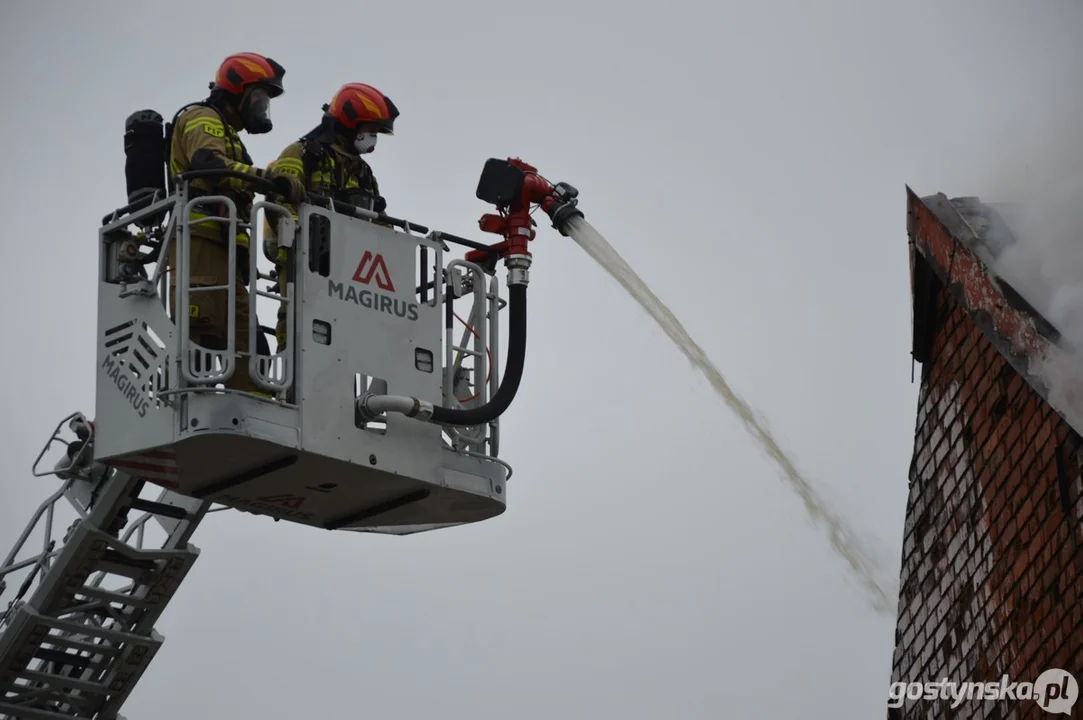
(357, 104)
(243, 70)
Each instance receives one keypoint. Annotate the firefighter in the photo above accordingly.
(204, 136)
(329, 160)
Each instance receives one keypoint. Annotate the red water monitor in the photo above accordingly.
(515, 187)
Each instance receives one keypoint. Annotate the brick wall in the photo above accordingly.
(993, 538)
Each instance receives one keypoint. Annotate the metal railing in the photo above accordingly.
(197, 362)
(275, 371)
(262, 368)
(478, 324)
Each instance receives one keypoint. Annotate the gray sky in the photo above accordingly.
(749, 160)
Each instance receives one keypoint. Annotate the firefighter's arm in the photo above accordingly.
(288, 163)
(378, 203)
(203, 140)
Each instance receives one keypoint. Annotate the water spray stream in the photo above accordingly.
(844, 540)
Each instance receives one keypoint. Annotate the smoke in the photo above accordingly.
(1045, 263)
(1037, 171)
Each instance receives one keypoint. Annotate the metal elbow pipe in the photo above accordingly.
(373, 406)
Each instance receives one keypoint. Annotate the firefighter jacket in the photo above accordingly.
(203, 139)
(325, 169)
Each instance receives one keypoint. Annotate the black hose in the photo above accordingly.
(509, 385)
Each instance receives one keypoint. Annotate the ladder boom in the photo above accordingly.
(72, 644)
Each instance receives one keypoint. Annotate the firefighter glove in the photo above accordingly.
(379, 205)
(291, 188)
(244, 269)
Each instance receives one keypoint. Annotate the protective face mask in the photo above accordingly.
(256, 112)
(365, 143)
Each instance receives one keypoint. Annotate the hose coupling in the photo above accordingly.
(518, 269)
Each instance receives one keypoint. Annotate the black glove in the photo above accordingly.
(379, 204)
(244, 269)
(290, 188)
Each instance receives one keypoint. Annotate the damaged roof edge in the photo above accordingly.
(962, 262)
(982, 229)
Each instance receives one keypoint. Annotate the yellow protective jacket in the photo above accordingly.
(325, 169)
(204, 139)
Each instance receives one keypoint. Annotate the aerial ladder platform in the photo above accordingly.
(372, 415)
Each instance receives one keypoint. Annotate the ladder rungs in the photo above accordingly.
(114, 563)
(123, 674)
(109, 596)
(36, 695)
(56, 661)
(81, 645)
(60, 682)
(134, 555)
(69, 703)
(164, 584)
(115, 557)
(21, 712)
(59, 657)
(157, 508)
(76, 628)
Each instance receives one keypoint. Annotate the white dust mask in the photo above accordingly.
(365, 142)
